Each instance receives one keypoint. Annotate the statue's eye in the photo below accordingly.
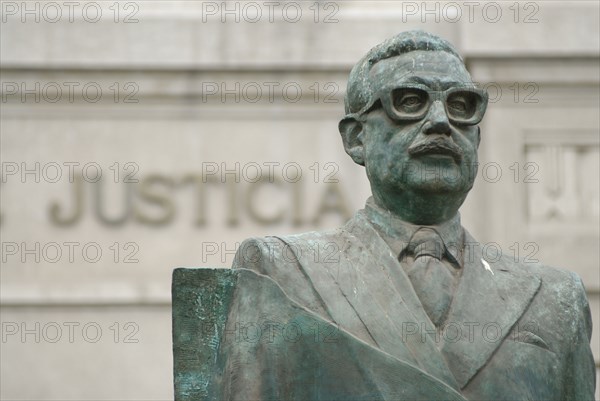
(409, 100)
(461, 105)
(458, 105)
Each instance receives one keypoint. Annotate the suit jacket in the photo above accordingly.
(514, 331)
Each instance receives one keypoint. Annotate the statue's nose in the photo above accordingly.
(437, 120)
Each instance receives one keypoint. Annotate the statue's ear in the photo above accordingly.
(352, 130)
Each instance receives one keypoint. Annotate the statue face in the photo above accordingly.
(421, 133)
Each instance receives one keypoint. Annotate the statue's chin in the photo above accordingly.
(433, 187)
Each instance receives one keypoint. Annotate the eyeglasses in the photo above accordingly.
(464, 106)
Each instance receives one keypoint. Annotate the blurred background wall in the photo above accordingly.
(140, 136)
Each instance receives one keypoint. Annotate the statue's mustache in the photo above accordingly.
(437, 145)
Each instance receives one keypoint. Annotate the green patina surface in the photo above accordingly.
(201, 299)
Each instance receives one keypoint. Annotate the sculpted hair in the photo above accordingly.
(358, 93)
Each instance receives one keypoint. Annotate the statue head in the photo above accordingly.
(412, 115)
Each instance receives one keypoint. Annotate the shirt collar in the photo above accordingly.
(397, 233)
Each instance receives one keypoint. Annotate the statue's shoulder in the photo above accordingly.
(286, 249)
(553, 278)
(556, 282)
(525, 265)
(558, 285)
(288, 259)
(311, 238)
(294, 248)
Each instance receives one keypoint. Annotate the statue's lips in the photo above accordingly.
(437, 147)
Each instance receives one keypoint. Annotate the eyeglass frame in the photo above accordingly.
(386, 100)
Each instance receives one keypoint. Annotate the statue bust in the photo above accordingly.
(399, 303)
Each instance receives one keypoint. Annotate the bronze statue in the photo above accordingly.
(399, 303)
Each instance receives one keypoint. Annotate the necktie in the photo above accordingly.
(431, 279)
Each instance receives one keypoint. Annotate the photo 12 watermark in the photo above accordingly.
(90, 92)
(68, 171)
(490, 12)
(90, 252)
(318, 12)
(271, 331)
(53, 12)
(468, 332)
(270, 92)
(69, 332)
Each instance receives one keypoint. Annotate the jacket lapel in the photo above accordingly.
(489, 299)
(385, 301)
